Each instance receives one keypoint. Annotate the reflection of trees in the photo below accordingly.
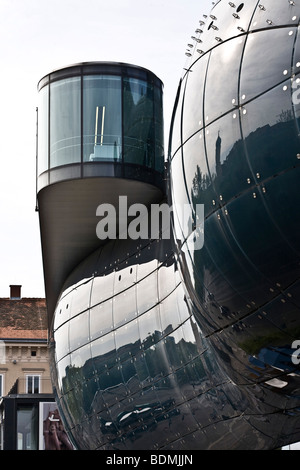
(267, 150)
(218, 268)
(160, 355)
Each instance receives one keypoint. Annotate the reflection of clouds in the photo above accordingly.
(260, 67)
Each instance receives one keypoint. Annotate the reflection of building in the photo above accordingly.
(155, 344)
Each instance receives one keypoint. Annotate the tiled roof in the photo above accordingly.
(24, 318)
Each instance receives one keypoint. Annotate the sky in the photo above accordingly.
(39, 36)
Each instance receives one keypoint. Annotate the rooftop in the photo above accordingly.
(23, 318)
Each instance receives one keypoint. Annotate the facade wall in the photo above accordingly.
(22, 360)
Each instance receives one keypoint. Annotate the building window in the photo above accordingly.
(65, 133)
(33, 384)
(102, 118)
(27, 427)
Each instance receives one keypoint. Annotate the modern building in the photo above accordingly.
(163, 342)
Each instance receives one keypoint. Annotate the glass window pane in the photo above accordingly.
(79, 330)
(127, 340)
(102, 288)
(270, 133)
(104, 352)
(124, 307)
(279, 16)
(147, 293)
(166, 279)
(32, 384)
(228, 166)
(43, 109)
(193, 99)
(27, 428)
(220, 98)
(159, 130)
(80, 298)
(150, 327)
(263, 52)
(61, 337)
(139, 135)
(199, 181)
(102, 126)
(101, 321)
(169, 315)
(65, 127)
(179, 194)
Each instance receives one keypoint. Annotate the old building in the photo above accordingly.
(27, 399)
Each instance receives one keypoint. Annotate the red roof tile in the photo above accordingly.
(24, 318)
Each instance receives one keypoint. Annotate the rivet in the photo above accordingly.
(298, 156)
(257, 175)
(248, 180)
(254, 195)
(291, 33)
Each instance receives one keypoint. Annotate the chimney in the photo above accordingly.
(15, 292)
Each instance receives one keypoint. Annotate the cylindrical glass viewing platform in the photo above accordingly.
(100, 119)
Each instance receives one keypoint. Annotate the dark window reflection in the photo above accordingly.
(139, 136)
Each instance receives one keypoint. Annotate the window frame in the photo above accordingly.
(33, 376)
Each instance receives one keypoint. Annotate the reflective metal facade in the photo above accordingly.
(155, 345)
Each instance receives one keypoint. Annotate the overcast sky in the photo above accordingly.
(38, 36)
